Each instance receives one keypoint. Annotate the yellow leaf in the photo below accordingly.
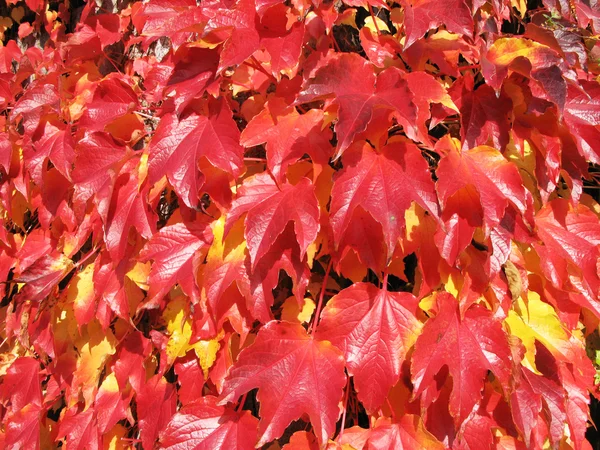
(370, 24)
(139, 274)
(81, 294)
(113, 440)
(110, 384)
(293, 313)
(206, 351)
(505, 50)
(64, 328)
(536, 320)
(179, 328)
(222, 249)
(95, 347)
(519, 5)
(513, 277)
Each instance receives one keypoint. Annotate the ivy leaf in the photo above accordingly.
(244, 40)
(384, 184)
(178, 145)
(422, 16)
(496, 180)
(295, 374)
(175, 252)
(374, 329)
(469, 346)
(99, 158)
(156, 404)
(582, 116)
(543, 65)
(269, 208)
(288, 136)
(112, 99)
(127, 209)
(408, 433)
(357, 93)
(203, 425)
(81, 429)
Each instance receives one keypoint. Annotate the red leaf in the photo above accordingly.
(407, 434)
(244, 39)
(81, 429)
(23, 428)
(128, 209)
(571, 236)
(190, 379)
(422, 16)
(454, 239)
(112, 99)
(496, 180)
(353, 82)
(43, 276)
(111, 404)
(288, 136)
(469, 346)
(582, 116)
(178, 145)
(270, 208)
(294, 374)
(55, 143)
(38, 98)
(166, 17)
(203, 425)
(194, 70)
(264, 277)
(156, 404)
(98, 161)
(374, 329)
(384, 184)
(284, 50)
(484, 118)
(175, 252)
(21, 384)
(129, 365)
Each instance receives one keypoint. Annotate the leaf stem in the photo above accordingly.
(321, 296)
(259, 160)
(258, 66)
(241, 403)
(144, 115)
(387, 399)
(374, 19)
(339, 438)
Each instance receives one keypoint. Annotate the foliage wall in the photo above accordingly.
(299, 224)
